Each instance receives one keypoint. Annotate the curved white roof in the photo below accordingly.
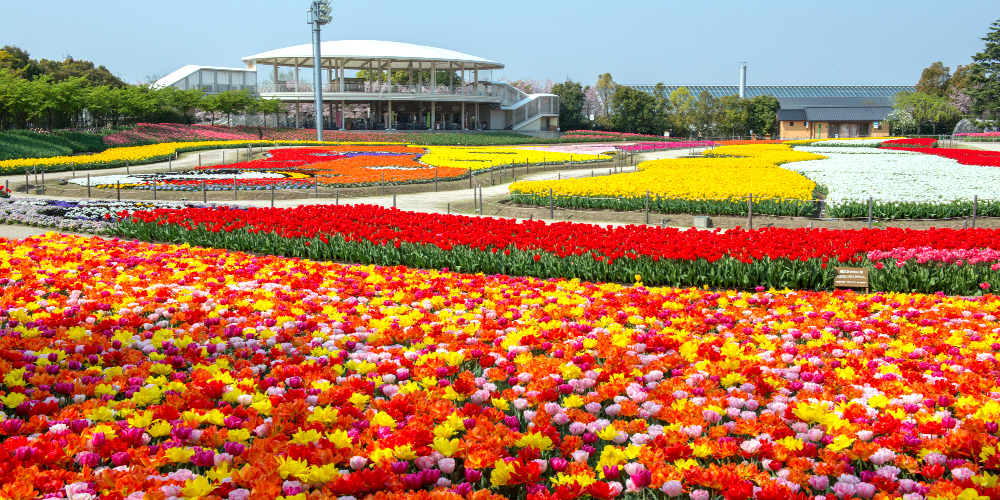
(358, 53)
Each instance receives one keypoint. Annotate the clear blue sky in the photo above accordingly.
(692, 42)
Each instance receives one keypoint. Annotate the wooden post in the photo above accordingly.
(393, 200)
(204, 191)
(869, 212)
(750, 212)
(27, 182)
(199, 160)
(475, 203)
(647, 207)
(552, 206)
(470, 177)
(236, 194)
(975, 209)
(315, 186)
(338, 197)
(272, 195)
(449, 208)
(43, 182)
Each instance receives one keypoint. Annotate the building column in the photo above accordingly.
(432, 111)
(333, 117)
(388, 119)
(388, 74)
(275, 76)
(296, 77)
(433, 77)
(343, 112)
(464, 118)
(476, 78)
(297, 123)
(342, 64)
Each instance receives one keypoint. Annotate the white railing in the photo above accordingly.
(532, 108)
(506, 93)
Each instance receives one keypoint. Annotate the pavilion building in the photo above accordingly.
(467, 100)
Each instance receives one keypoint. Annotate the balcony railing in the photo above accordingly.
(485, 90)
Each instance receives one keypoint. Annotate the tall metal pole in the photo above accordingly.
(319, 15)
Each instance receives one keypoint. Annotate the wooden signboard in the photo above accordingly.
(851, 277)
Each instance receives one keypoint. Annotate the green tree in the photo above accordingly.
(936, 111)
(19, 61)
(73, 68)
(184, 100)
(984, 78)
(763, 114)
(734, 115)
(233, 101)
(934, 80)
(664, 118)
(17, 98)
(605, 87)
(682, 110)
(633, 111)
(571, 100)
(705, 114)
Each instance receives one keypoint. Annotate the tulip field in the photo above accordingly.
(345, 165)
(740, 259)
(717, 184)
(133, 370)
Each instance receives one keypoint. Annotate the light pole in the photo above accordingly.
(319, 14)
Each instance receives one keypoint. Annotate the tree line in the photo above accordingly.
(72, 94)
(621, 108)
(942, 98)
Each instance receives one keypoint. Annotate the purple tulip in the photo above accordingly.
(77, 426)
(611, 472)
(203, 458)
(642, 479)
(463, 489)
(558, 464)
(992, 427)
(182, 434)
(412, 481)
(90, 459)
(430, 476)
(24, 453)
(99, 439)
(120, 458)
(399, 467)
(234, 449)
(10, 427)
(473, 475)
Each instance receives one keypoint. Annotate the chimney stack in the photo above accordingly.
(743, 80)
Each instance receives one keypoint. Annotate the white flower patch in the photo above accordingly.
(897, 176)
(850, 142)
(128, 179)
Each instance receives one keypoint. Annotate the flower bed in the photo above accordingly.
(610, 136)
(716, 184)
(660, 146)
(864, 142)
(796, 258)
(89, 216)
(136, 155)
(350, 165)
(963, 156)
(903, 184)
(188, 372)
(921, 142)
